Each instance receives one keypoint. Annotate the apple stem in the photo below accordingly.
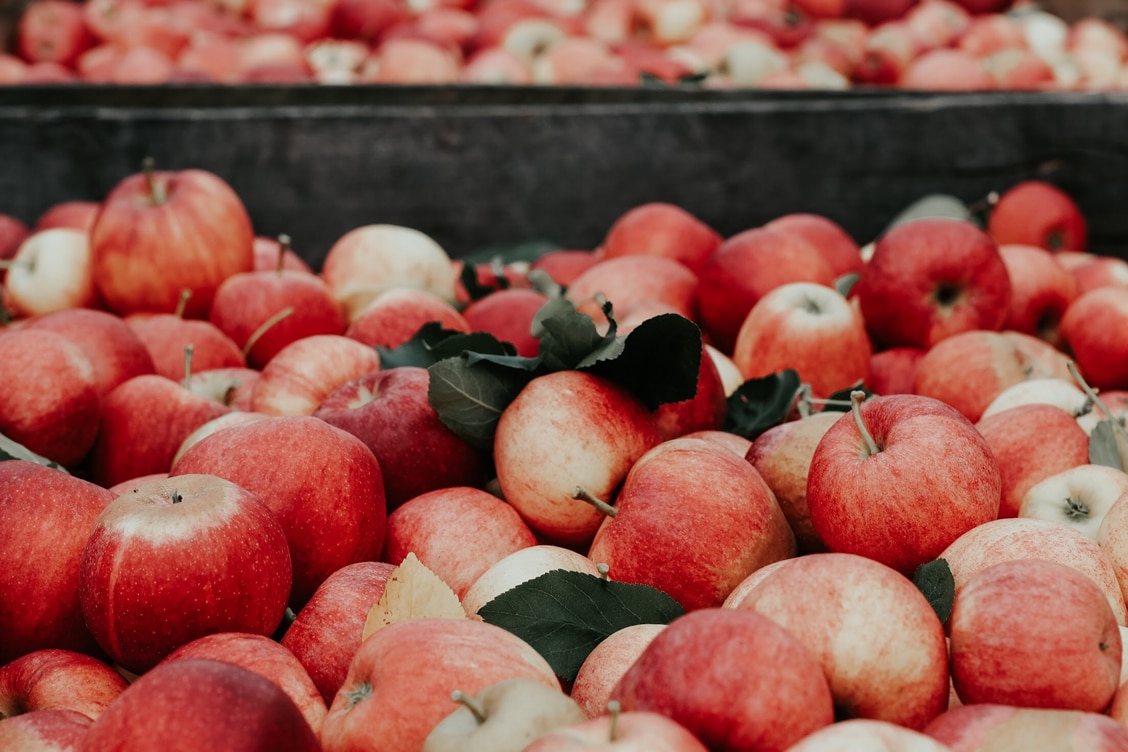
(188, 350)
(1091, 393)
(156, 192)
(856, 398)
(471, 704)
(603, 568)
(266, 326)
(283, 246)
(803, 405)
(182, 303)
(613, 708)
(582, 494)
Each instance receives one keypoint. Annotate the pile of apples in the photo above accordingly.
(234, 516)
(772, 44)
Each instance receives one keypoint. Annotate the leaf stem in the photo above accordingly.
(471, 704)
(1091, 393)
(856, 398)
(582, 494)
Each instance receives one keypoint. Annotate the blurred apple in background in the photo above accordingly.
(661, 229)
(1088, 331)
(1037, 213)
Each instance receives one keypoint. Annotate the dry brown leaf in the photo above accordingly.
(413, 592)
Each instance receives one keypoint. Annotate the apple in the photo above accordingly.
(489, 529)
(565, 265)
(504, 717)
(271, 57)
(251, 308)
(946, 479)
(1041, 291)
(745, 268)
(144, 421)
(114, 350)
(931, 278)
(630, 280)
(161, 232)
(984, 726)
(496, 65)
(734, 679)
(52, 31)
(866, 734)
(638, 731)
(44, 731)
(1099, 271)
(893, 371)
(78, 215)
(13, 233)
(522, 566)
(201, 704)
(807, 327)
(390, 412)
(1032, 443)
(938, 23)
(165, 335)
(947, 70)
(412, 61)
(196, 546)
(1019, 69)
(327, 630)
(1080, 497)
(1034, 633)
(233, 387)
(305, 20)
(563, 430)
(54, 679)
(50, 272)
(992, 33)
(889, 49)
(1063, 395)
(607, 663)
(399, 682)
(1086, 329)
(1034, 212)
(394, 317)
(322, 483)
(661, 229)
(508, 315)
(877, 638)
(1112, 536)
(271, 254)
(303, 373)
(365, 20)
(50, 399)
(737, 526)
(1021, 538)
(266, 658)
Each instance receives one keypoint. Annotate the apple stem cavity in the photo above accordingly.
(856, 398)
(188, 350)
(470, 704)
(1095, 398)
(266, 326)
(156, 191)
(283, 246)
(582, 494)
(613, 709)
(182, 303)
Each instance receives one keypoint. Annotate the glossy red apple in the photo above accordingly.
(893, 371)
(832, 242)
(1041, 291)
(165, 335)
(1088, 331)
(54, 679)
(1037, 213)
(661, 229)
(394, 317)
(301, 375)
(44, 731)
(606, 664)
(508, 315)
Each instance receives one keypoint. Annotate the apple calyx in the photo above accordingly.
(856, 398)
(157, 195)
(1076, 509)
(182, 303)
(582, 494)
(357, 694)
(188, 350)
(176, 497)
(283, 246)
(613, 709)
(471, 704)
(266, 326)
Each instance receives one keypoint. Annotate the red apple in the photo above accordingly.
(606, 664)
(932, 278)
(199, 547)
(45, 518)
(984, 725)
(400, 680)
(564, 266)
(947, 70)
(53, 31)
(54, 679)
(660, 229)
(1037, 213)
(266, 658)
(201, 704)
(735, 679)
(1088, 329)
(1034, 634)
(630, 280)
(508, 315)
(13, 233)
(394, 317)
(79, 215)
(44, 731)
(737, 526)
(1112, 537)
(270, 253)
(161, 232)
(165, 335)
(638, 731)
(745, 268)
(705, 411)
(323, 484)
(50, 272)
(938, 23)
(489, 530)
(1090, 272)
(893, 371)
(233, 387)
(327, 630)
(365, 20)
(521, 566)
(832, 242)
(862, 733)
(900, 479)
(50, 399)
(1041, 290)
(301, 375)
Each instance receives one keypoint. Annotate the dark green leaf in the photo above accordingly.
(840, 400)
(432, 343)
(659, 360)
(935, 580)
(475, 289)
(568, 337)
(649, 79)
(845, 283)
(1103, 446)
(759, 404)
(516, 362)
(13, 450)
(564, 614)
(470, 399)
(691, 79)
(510, 253)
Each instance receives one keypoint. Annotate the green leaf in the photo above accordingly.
(1103, 446)
(568, 337)
(470, 399)
(565, 614)
(840, 400)
(845, 283)
(659, 360)
(759, 404)
(432, 343)
(13, 450)
(475, 289)
(935, 580)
